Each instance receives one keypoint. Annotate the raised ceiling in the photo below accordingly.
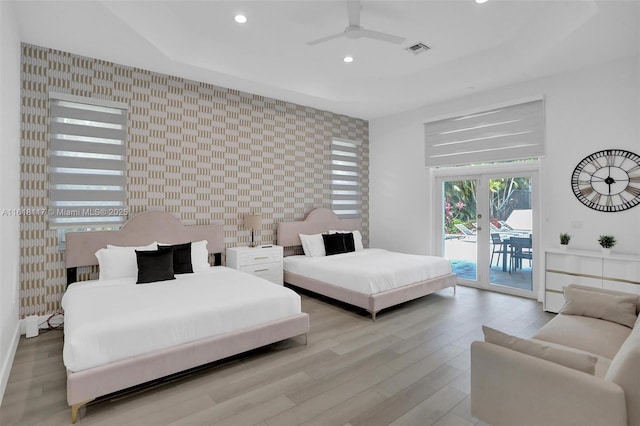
(474, 47)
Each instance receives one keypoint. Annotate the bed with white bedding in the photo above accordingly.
(120, 334)
(372, 279)
(111, 320)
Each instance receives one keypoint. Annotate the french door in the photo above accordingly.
(486, 224)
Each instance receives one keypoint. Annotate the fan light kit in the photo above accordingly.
(354, 30)
(240, 18)
(348, 59)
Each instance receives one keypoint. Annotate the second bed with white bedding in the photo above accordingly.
(110, 320)
(369, 271)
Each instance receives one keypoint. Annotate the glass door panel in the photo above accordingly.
(511, 228)
(461, 227)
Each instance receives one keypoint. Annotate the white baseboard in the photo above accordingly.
(8, 362)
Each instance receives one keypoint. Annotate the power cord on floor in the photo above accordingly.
(55, 321)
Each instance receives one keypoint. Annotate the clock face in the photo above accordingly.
(608, 180)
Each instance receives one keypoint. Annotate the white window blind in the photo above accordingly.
(87, 163)
(345, 179)
(500, 134)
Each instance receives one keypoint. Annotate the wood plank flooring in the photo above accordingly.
(411, 367)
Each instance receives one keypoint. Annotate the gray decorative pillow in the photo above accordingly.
(577, 361)
(610, 307)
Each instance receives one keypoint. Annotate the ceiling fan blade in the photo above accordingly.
(323, 39)
(354, 7)
(380, 36)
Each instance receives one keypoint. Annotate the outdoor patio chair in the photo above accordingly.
(504, 225)
(521, 249)
(466, 231)
(496, 247)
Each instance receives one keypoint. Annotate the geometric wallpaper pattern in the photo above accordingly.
(206, 154)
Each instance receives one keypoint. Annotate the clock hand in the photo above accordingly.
(609, 180)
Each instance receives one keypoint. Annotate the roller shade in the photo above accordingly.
(345, 179)
(87, 163)
(500, 134)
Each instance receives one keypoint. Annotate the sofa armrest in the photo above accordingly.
(509, 388)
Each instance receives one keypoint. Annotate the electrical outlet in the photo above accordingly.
(576, 224)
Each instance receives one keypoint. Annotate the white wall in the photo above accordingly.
(9, 188)
(586, 110)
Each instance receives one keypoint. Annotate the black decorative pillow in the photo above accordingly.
(334, 244)
(349, 242)
(155, 266)
(181, 257)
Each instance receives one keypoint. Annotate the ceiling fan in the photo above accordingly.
(354, 30)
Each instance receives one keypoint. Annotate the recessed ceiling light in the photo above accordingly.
(348, 59)
(240, 18)
(481, 1)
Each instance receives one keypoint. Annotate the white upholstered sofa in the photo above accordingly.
(581, 368)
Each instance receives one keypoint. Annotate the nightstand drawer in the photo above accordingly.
(269, 271)
(258, 256)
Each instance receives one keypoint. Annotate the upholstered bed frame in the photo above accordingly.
(322, 220)
(84, 386)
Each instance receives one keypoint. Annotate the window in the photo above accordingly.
(87, 164)
(500, 134)
(345, 179)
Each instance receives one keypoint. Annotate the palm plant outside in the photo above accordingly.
(506, 195)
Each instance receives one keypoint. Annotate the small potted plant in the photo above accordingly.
(607, 242)
(564, 240)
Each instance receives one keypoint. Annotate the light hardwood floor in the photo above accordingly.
(411, 367)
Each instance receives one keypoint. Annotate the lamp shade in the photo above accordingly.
(253, 221)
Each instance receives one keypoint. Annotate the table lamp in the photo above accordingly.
(253, 222)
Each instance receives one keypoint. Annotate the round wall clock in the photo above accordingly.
(608, 180)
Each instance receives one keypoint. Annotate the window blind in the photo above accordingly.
(501, 134)
(345, 179)
(87, 163)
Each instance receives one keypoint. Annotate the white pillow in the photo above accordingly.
(357, 238)
(313, 245)
(120, 262)
(199, 255)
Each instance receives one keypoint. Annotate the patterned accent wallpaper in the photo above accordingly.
(206, 154)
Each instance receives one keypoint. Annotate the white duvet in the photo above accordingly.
(369, 271)
(109, 320)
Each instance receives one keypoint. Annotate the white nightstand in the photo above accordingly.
(262, 261)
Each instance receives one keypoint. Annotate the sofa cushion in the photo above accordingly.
(609, 307)
(578, 361)
(606, 291)
(592, 335)
(602, 363)
(625, 372)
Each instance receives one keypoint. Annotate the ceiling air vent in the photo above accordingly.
(418, 48)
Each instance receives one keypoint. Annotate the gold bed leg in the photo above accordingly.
(75, 408)
(306, 338)
(454, 289)
(373, 316)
